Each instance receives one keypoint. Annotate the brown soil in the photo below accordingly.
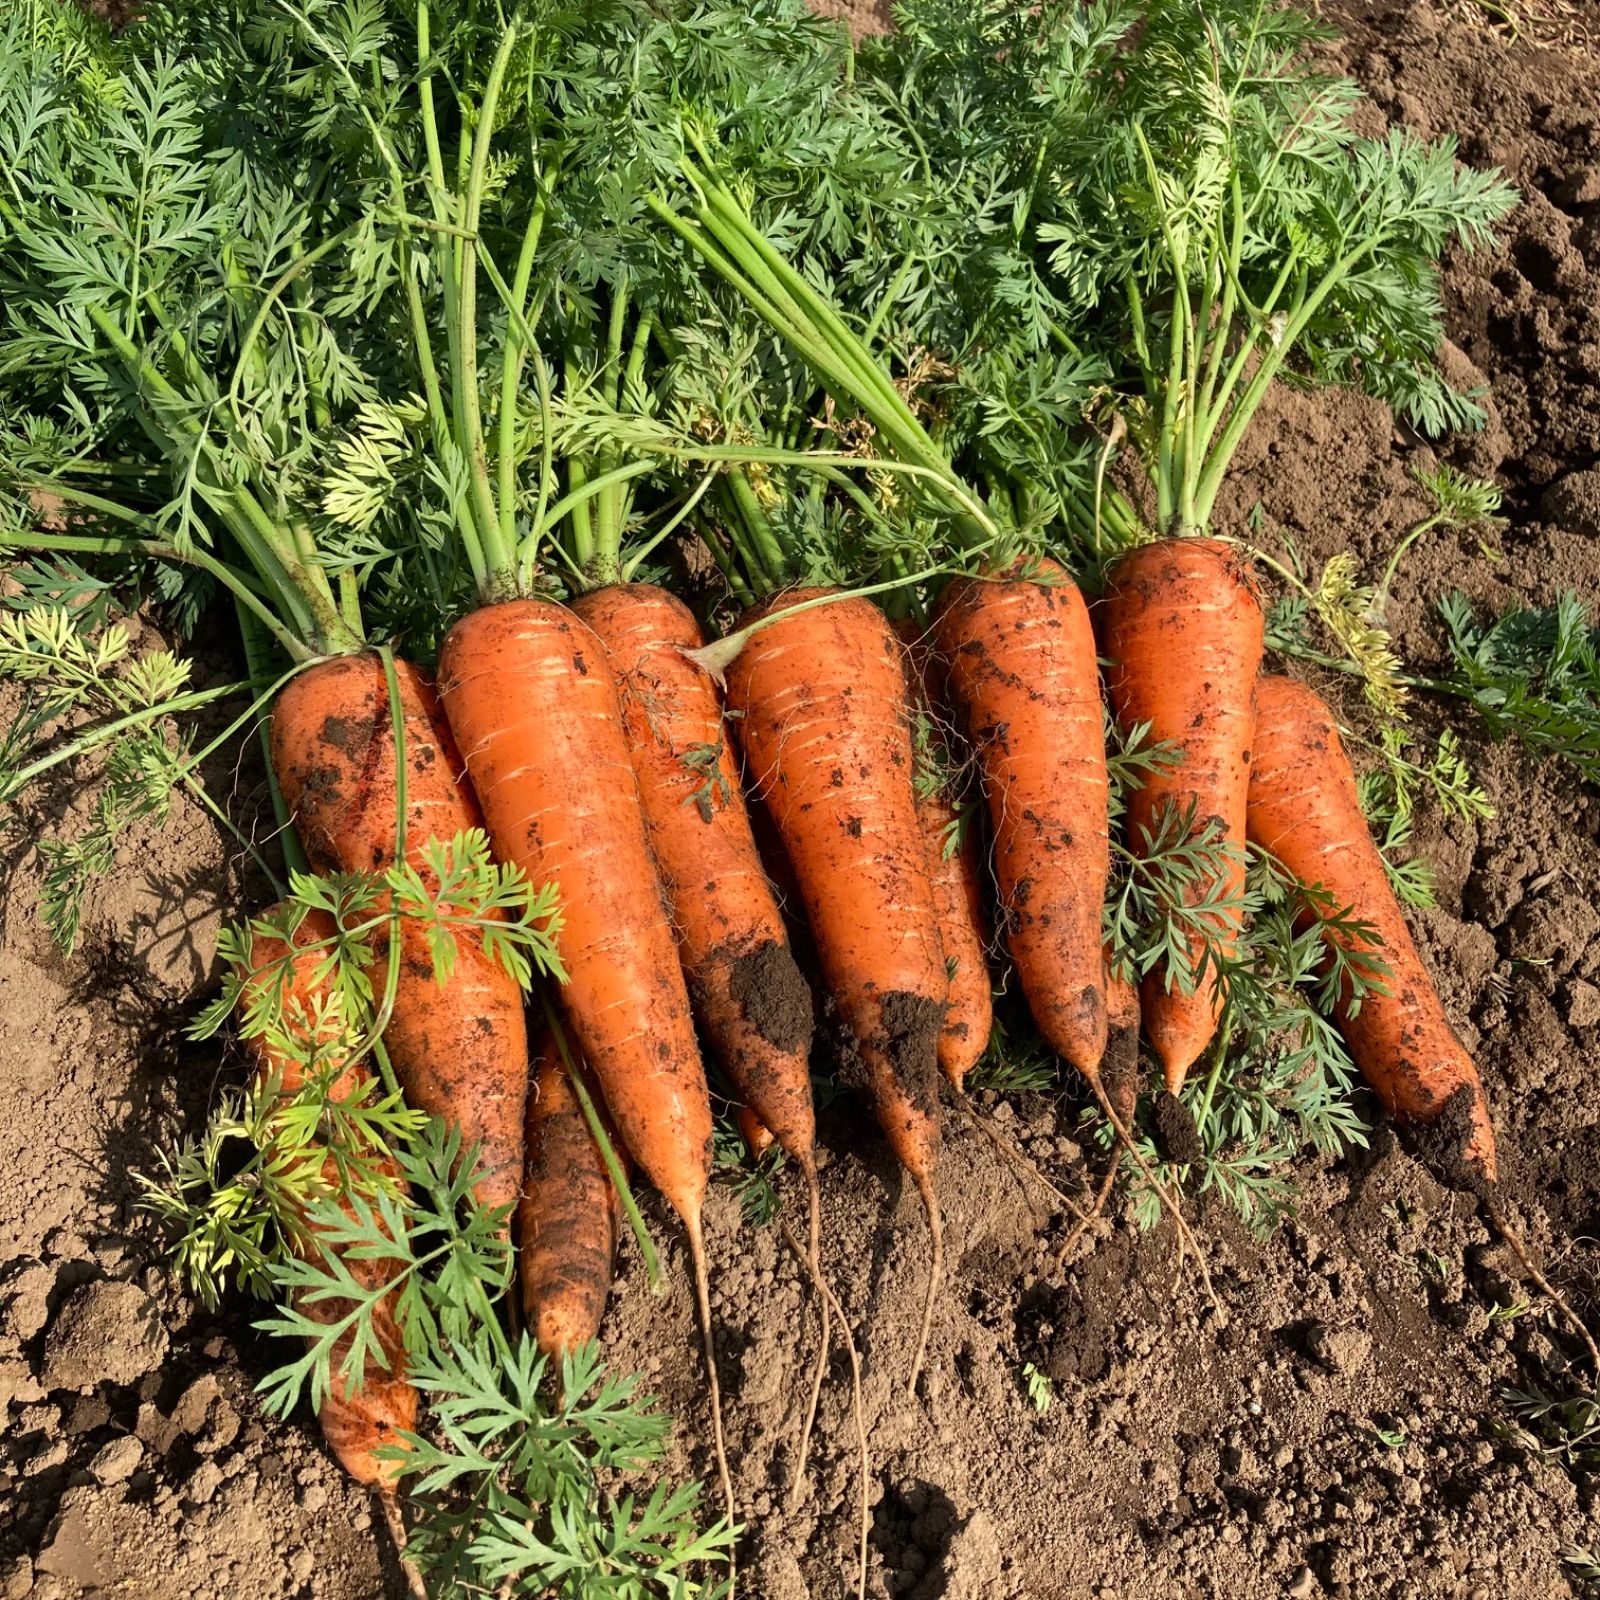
(1335, 1427)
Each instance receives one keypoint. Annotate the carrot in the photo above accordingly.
(355, 1423)
(1183, 627)
(753, 1002)
(569, 1217)
(755, 1133)
(460, 1048)
(1304, 809)
(822, 713)
(953, 868)
(530, 696)
(1020, 656)
(1120, 1070)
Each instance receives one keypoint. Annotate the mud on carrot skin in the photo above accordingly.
(824, 721)
(1020, 658)
(459, 1048)
(1304, 809)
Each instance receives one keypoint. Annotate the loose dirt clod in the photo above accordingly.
(106, 1333)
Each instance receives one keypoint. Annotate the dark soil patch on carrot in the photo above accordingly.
(768, 987)
(911, 1025)
(1336, 1428)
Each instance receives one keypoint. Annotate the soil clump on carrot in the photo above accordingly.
(768, 986)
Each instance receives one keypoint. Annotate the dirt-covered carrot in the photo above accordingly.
(531, 699)
(569, 1217)
(956, 874)
(530, 696)
(1020, 658)
(821, 709)
(357, 1423)
(1183, 627)
(1119, 1070)
(459, 1048)
(1305, 811)
(754, 1004)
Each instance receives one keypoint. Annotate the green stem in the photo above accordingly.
(511, 376)
(758, 544)
(1305, 307)
(1219, 1055)
(238, 584)
(1380, 599)
(500, 555)
(107, 731)
(585, 489)
(674, 522)
(1217, 337)
(294, 857)
(270, 297)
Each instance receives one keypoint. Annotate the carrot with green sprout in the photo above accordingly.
(459, 1047)
(1305, 811)
(1184, 630)
(360, 1420)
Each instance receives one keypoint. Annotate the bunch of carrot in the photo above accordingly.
(669, 910)
(608, 751)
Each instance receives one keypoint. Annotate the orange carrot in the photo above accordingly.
(459, 1049)
(569, 1217)
(1304, 809)
(1183, 627)
(356, 1423)
(531, 699)
(1120, 1070)
(953, 868)
(756, 1135)
(822, 714)
(753, 1002)
(1020, 656)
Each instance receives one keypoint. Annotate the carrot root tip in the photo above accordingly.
(930, 1202)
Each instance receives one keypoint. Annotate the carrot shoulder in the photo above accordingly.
(1305, 810)
(1184, 630)
(1020, 657)
(356, 1422)
(459, 1048)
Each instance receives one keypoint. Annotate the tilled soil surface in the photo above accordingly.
(1337, 1426)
